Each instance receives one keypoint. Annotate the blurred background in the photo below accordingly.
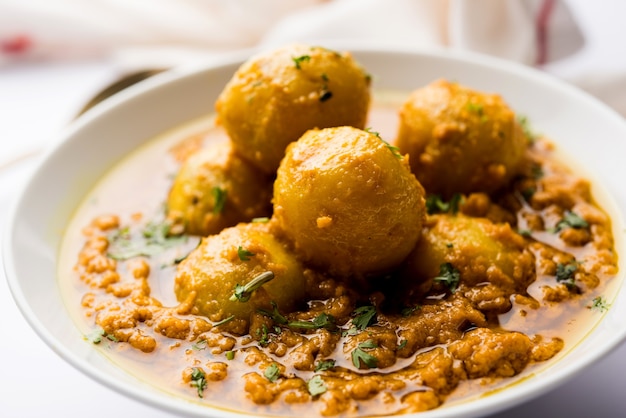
(55, 55)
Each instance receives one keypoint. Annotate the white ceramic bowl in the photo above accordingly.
(589, 132)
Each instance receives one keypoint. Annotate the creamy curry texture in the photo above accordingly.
(305, 263)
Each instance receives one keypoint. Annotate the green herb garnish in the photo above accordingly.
(408, 310)
(324, 365)
(323, 320)
(528, 132)
(325, 95)
(154, 239)
(97, 335)
(230, 355)
(224, 321)
(434, 204)
(299, 60)
(198, 380)
(200, 345)
(571, 220)
(599, 304)
(364, 317)
(361, 357)
(244, 255)
(448, 276)
(272, 372)
(243, 293)
(316, 385)
(260, 220)
(219, 199)
(565, 273)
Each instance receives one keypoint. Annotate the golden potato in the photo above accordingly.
(348, 201)
(460, 140)
(235, 256)
(481, 251)
(275, 97)
(215, 189)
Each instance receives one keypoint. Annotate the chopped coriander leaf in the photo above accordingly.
(230, 355)
(477, 109)
(323, 320)
(326, 95)
(394, 150)
(434, 204)
(316, 385)
(200, 345)
(364, 317)
(198, 380)
(360, 357)
(599, 304)
(408, 310)
(299, 60)
(96, 336)
(154, 238)
(265, 335)
(448, 276)
(244, 255)
(526, 233)
(565, 273)
(224, 321)
(272, 372)
(528, 132)
(369, 130)
(324, 76)
(571, 220)
(352, 331)
(219, 199)
(242, 293)
(275, 314)
(449, 245)
(402, 344)
(260, 220)
(324, 365)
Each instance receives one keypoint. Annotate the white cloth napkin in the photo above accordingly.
(555, 35)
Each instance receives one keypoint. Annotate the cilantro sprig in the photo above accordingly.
(272, 372)
(316, 385)
(364, 316)
(571, 220)
(449, 276)
(198, 380)
(242, 293)
(360, 357)
(435, 204)
(153, 239)
(565, 274)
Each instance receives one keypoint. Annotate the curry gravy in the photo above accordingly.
(141, 326)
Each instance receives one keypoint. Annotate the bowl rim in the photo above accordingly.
(481, 406)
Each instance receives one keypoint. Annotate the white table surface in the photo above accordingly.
(36, 101)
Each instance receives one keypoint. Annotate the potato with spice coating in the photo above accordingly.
(348, 202)
(212, 272)
(275, 97)
(460, 140)
(215, 189)
(480, 250)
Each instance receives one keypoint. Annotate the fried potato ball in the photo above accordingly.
(460, 140)
(348, 202)
(237, 255)
(215, 189)
(482, 252)
(275, 97)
